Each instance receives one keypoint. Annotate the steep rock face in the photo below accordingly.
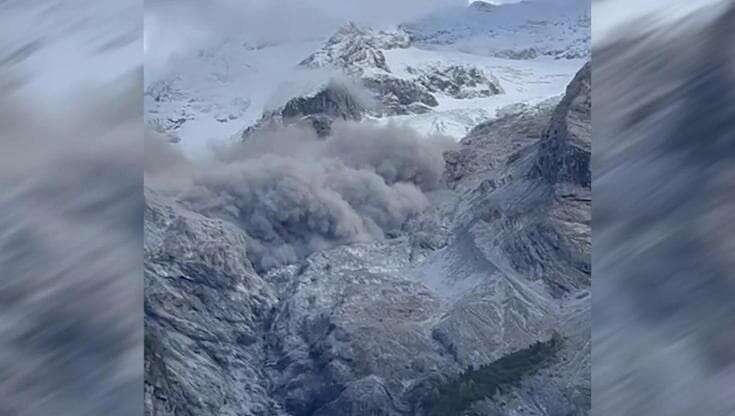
(544, 232)
(333, 102)
(355, 49)
(487, 147)
(536, 235)
(565, 150)
(205, 312)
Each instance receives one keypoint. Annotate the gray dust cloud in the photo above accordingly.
(296, 193)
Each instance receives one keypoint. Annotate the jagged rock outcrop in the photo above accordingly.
(205, 313)
(554, 246)
(355, 49)
(487, 147)
(565, 150)
(358, 53)
(333, 102)
(415, 94)
(457, 81)
(400, 96)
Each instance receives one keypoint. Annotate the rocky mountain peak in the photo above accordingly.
(354, 48)
(565, 149)
(334, 101)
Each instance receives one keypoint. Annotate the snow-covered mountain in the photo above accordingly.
(443, 73)
(524, 30)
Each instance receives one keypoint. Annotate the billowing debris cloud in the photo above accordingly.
(295, 193)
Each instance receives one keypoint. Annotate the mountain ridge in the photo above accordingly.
(221, 91)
